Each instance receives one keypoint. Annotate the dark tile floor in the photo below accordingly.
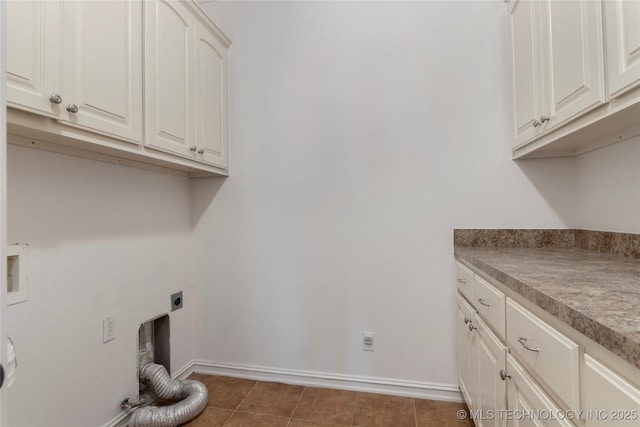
(235, 402)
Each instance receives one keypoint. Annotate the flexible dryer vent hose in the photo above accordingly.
(192, 396)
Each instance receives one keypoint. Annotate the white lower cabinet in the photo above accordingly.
(542, 373)
(499, 390)
(609, 399)
(466, 349)
(549, 354)
(490, 390)
(527, 403)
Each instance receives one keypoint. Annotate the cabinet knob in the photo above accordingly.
(72, 108)
(55, 98)
(471, 327)
(193, 148)
(504, 375)
(536, 123)
(543, 119)
(466, 320)
(201, 151)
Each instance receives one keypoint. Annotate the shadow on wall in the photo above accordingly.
(54, 198)
(203, 191)
(555, 181)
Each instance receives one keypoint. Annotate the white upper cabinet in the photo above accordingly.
(78, 62)
(526, 70)
(557, 63)
(573, 59)
(33, 64)
(211, 87)
(575, 75)
(170, 74)
(622, 21)
(132, 82)
(186, 84)
(102, 67)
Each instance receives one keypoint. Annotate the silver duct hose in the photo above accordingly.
(193, 397)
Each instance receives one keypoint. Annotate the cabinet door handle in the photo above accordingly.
(464, 282)
(55, 98)
(72, 108)
(504, 375)
(466, 320)
(523, 342)
(484, 302)
(536, 123)
(201, 151)
(193, 148)
(543, 119)
(471, 327)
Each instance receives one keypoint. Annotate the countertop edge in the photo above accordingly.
(612, 340)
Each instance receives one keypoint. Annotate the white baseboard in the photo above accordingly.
(119, 421)
(422, 390)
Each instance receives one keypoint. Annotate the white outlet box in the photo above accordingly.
(368, 341)
(108, 329)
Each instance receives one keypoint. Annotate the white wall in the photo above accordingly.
(608, 188)
(362, 134)
(104, 240)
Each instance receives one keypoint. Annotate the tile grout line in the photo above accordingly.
(355, 408)
(415, 413)
(296, 407)
(240, 404)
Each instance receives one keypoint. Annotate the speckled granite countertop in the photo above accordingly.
(597, 294)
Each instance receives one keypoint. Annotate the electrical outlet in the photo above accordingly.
(368, 341)
(108, 329)
(176, 301)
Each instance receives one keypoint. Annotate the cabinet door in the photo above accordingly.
(622, 38)
(490, 395)
(574, 58)
(608, 398)
(211, 98)
(102, 67)
(169, 78)
(527, 91)
(525, 397)
(466, 350)
(33, 55)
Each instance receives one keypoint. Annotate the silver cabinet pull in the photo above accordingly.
(536, 123)
(484, 302)
(471, 327)
(55, 98)
(543, 119)
(504, 375)
(201, 151)
(193, 148)
(466, 320)
(523, 342)
(464, 282)
(72, 108)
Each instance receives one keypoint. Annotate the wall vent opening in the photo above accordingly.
(153, 346)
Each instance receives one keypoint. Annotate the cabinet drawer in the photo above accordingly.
(551, 355)
(608, 397)
(489, 302)
(464, 281)
(525, 396)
